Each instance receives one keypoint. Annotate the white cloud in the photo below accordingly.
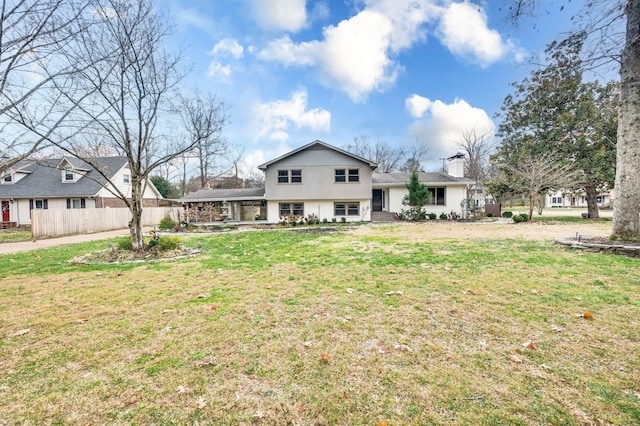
(417, 105)
(280, 15)
(463, 30)
(275, 119)
(285, 51)
(445, 123)
(228, 46)
(407, 18)
(357, 56)
(253, 159)
(221, 72)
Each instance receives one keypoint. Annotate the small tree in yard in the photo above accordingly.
(123, 61)
(417, 198)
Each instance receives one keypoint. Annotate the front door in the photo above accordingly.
(377, 200)
(5, 211)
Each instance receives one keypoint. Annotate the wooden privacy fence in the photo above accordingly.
(59, 222)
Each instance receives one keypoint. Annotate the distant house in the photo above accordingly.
(327, 182)
(64, 183)
(578, 199)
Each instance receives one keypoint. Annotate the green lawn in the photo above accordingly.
(286, 327)
(13, 235)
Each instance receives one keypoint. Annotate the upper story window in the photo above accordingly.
(68, 175)
(126, 179)
(347, 175)
(290, 176)
(7, 178)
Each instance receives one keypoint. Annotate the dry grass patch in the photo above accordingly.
(348, 328)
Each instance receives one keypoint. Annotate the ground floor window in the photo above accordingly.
(349, 208)
(253, 210)
(76, 203)
(291, 209)
(38, 204)
(437, 196)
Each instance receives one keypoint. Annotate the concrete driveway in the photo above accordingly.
(8, 248)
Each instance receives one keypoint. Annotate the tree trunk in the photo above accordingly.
(592, 202)
(532, 198)
(540, 204)
(626, 206)
(135, 225)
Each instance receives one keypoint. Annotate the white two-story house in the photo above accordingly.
(329, 183)
(319, 179)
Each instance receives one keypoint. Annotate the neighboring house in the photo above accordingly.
(571, 198)
(64, 183)
(327, 182)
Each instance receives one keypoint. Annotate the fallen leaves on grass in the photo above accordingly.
(587, 315)
(182, 389)
(516, 359)
(349, 290)
(394, 293)
(201, 403)
(21, 332)
(82, 320)
(324, 358)
(530, 345)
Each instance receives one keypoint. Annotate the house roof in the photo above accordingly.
(236, 194)
(427, 178)
(314, 145)
(43, 178)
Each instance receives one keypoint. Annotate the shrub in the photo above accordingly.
(166, 222)
(522, 217)
(507, 214)
(343, 219)
(334, 220)
(325, 221)
(168, 242)
(432, 216)
(444, 216)
(489, 214)
(124, 243)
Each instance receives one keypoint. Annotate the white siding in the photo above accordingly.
(125, 188)
(453, 197)
(322, 209)
(21, 213)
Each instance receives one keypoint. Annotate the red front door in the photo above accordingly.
(5, 211)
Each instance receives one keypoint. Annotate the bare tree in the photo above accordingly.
(33, 34)
(534, 176)
(476, 146)
(387, 157)
(121, 60)
(204, 118)
(415, 155)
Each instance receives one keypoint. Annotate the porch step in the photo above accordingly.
(383, 217)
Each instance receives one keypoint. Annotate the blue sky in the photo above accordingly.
(292, 71)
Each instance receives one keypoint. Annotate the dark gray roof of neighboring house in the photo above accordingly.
(44, 179)
(236, 194)
(430, 178)
(321, 144)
